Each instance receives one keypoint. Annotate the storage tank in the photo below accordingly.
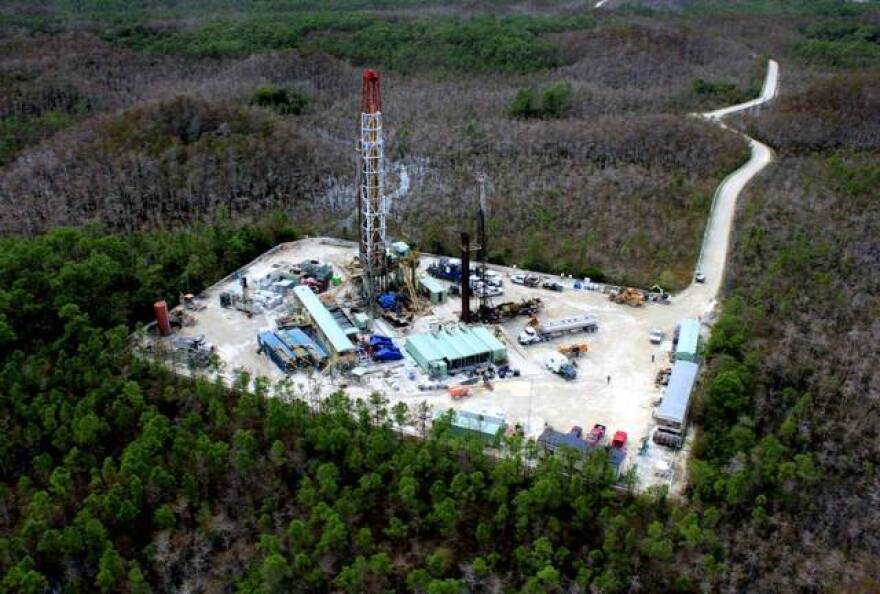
(160, 308)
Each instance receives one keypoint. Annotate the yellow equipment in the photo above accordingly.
(574, 350)
(629, 296)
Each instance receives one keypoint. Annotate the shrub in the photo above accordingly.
(554, 101)
(281, 100)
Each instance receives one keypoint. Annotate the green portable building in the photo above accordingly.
(688, 341)
(454, 349)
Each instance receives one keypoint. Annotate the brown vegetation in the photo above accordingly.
(592, 175)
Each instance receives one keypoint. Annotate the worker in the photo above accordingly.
(609, 379)
(652, 357)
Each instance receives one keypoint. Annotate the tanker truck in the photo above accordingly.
(536, 331)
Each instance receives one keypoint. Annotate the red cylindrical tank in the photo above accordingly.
(164, 324)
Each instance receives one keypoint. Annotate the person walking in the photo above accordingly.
(609, 380)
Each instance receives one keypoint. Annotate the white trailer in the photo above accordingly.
(552, 328)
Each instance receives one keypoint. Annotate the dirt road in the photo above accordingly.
(699, 298)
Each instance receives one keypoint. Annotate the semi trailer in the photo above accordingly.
(536, 331)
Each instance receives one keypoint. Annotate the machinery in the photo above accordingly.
(629, 296)
(573, 350)
(658, 294)
(662, 377)
(511, 309)
(196, 350)
(240, 301)
(458, 392)
(668, 437)
(536, 331)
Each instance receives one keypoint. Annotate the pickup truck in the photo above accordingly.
(527, 280)
(596, 435)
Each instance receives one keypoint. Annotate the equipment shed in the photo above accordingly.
(432, 288)
(677, 398)
(449, 351)
(688, 340)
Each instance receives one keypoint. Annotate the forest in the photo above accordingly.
(147, 149)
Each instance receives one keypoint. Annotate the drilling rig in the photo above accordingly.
(372, 203)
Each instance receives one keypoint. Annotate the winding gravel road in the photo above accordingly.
(699, 299)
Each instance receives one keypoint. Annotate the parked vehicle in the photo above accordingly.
(528, 280)
(596, 435)
(537, 331)
(656, 336)
(493, 279)
(488, 291)
(577, 431)
(446, 269)
(619, 439)
(552, 286)
(457, 392)
(700, 276)
(561, 366)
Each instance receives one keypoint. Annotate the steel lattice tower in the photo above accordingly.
(372, 202)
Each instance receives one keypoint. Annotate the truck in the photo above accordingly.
(561, 366)
(536, 331)
(527, 280)
(446, 269)
(493, 279)
(596, 435)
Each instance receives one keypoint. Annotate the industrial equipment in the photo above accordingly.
(277, 351)
(372, 203)
(629, 296)
(458, 392)
(574, 350)
(195, 348)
